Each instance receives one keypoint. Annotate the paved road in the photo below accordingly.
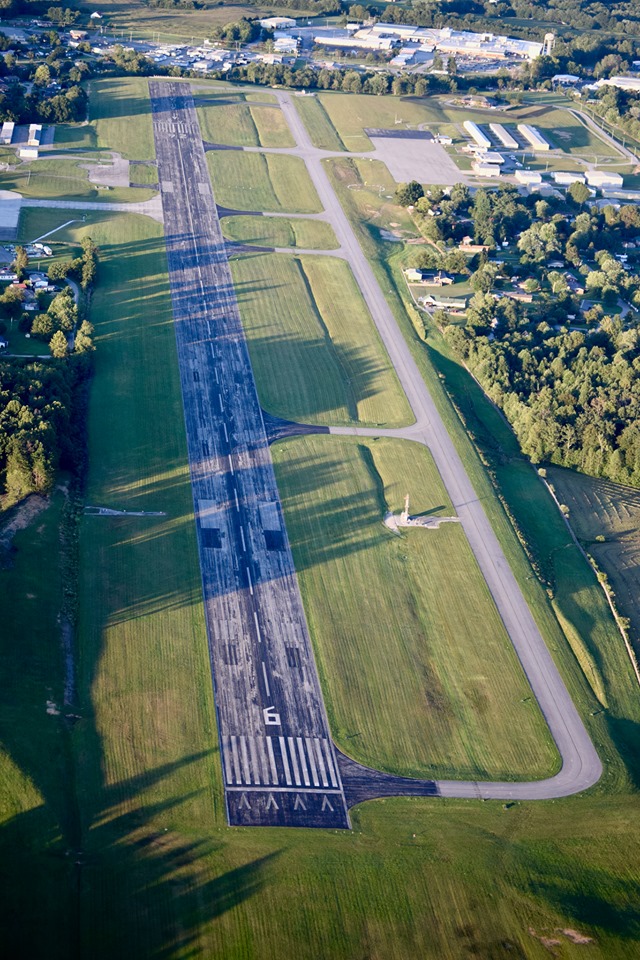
(581, 766)
(279, 764)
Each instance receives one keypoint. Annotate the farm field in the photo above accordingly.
(239, 122)
(280, 232)
(269, 183)
(305, 316)
(419, 673)
(599, 508)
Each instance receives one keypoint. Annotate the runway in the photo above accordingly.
(278, 761)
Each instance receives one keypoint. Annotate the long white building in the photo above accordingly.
(534, 137)
(476, 134)
(503, 136)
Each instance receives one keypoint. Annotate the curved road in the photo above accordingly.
(581, 766)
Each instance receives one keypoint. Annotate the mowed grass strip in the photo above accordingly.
(243, 124)
(64, 180)
(272, 183)
(419, 675)
(280, 232)
(119, 111)
(316, 359)
(315, 118)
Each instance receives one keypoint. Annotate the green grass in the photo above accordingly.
(404, 626)
(119, 111)
(270, 183)
(316, 355)
(243, 124)
(75, 136)
(64, 180)
(143, 173)
(599, 508)
(280, 232)
(322, 132)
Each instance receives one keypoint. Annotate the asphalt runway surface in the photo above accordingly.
(278, 761)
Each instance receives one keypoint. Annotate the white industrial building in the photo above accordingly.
(530, 178)
(602, 178)
(624, 83)
(6, 134)
(476, 134)
(490, 156)
(566, 179)
(27, 152)
(482, 169)
(277, 23)
(534, 137)
(35, 135)
(503, 136)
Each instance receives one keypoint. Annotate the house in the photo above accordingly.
(468, 246)
(574, 285)
(445, 303)
(8, 277)
(440, 279)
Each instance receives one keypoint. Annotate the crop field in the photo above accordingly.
(119, 111)
(270, 183)
(421, 677)
(280, 232)
(316, 355)
(599, 508)
(237, 122)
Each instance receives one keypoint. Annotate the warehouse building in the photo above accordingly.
(476, 134)
(534, 137)
(503, 135)
(566, 179)
(602, 178)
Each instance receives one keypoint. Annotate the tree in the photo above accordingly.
(42, 76)
(20, 262)
(42, 327)
(452, 66)
(84, 338)
(579, 192)
(536, 243)
(408, 194)
(11, 303)
(63, 310)
(58, 345)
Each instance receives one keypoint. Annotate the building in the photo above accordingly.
(3, 343)
(530, 178)
(623, 83)
(566, 179)
(533, 137)
(277, 23)
(6, 134)
(476, 134)
(467, 245)
(565, 79)
(602, 178)
(482, 169)
(78, 34)
(490, 156)
(35, 135)
(28, 153)
(503, 135)
(285, 44)
(444, 303)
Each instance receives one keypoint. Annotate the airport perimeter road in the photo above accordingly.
(581, 766)
(279, 764)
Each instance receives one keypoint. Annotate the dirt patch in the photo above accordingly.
(19, 519)
(576, 937)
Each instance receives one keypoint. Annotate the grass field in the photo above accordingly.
(243, 123)
(270, 183)
(322, 131)
(119, 111)
(421, 677)
(599, 508)
(305, 315)
(280, 232)
(64, 180)
(173, 24)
